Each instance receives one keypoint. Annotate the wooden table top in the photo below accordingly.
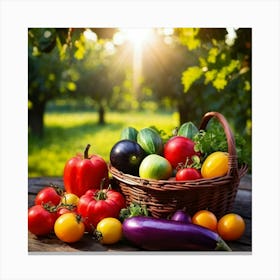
(242, 206)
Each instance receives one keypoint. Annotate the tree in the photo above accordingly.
(200, 71)
(51, 55)
(223, 72)
(48, 76)
(99, 74)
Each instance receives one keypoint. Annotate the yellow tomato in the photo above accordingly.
(216, 164)
(206, 219)
(70, 198)
(110, 230)
(69, 227)
(231, 226)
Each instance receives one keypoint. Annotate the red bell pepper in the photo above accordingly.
(82, 173)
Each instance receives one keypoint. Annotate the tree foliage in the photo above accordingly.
(192, 69)
(223, 71)
(56, 66)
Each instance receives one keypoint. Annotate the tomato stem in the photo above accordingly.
(49, 207)
(79, 218)
(101, 194)
(86, 151)
(97, 235)
(58, 189)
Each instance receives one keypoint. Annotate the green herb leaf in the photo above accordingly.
(214, 139)
(133, 210)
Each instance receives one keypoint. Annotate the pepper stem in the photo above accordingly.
(86, 151)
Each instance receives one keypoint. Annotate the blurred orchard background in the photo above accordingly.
(86, 84)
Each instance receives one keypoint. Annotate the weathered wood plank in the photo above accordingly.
(242, 206)
(246, 182)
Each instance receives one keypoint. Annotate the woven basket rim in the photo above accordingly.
(172, 184)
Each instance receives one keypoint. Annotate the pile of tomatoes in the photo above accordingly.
(70, 217)
(88, 204)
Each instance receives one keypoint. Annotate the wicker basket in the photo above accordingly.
(164, 197)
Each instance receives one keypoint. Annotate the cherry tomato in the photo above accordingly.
(206, 219)
(50, 195)
(231, 226)
(70, 199)
(216, 164)
(110, 230)
(187, 174)
(40, 220)
(69, 227)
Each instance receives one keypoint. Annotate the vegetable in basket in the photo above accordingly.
(189, 171)
(155, 167)
(150, 141)
(216, 164)
(188, 130)
(214, 139)
(126, 155)
(129, 133)
(177, 149)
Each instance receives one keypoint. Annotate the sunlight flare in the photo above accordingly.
(137, 37)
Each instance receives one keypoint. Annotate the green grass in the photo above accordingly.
(67, 134)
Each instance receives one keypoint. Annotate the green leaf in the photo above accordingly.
(81, 49)
(133, 210)
(210, 76)
(220, 82)
(188, 37)
(212, 55)
(191, 75)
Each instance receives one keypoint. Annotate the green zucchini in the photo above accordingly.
(150, 141)
(129, 133)
(188, 130)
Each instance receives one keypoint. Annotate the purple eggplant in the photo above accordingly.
(161, 234)
(126, 155)
(181, 216)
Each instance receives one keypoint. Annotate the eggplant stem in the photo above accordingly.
(222, 246)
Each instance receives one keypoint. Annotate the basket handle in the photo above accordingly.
(233, 169)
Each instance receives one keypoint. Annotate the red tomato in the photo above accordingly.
(177, 149)
(50, 195)
(185, 174)
(40, 220)
(84, 173)
(62, 210)
(94, 206)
